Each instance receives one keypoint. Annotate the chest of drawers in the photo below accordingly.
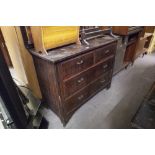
(71, 75)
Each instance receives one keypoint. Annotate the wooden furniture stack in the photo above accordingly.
(70, 75)
(131, 36)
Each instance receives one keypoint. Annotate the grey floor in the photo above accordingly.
(113, 108)
(1, 125)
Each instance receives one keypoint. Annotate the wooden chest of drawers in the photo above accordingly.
(71, 75)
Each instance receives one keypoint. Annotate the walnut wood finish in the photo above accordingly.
(104, 52)
(75, 83)
(67, 83)
(46, 73)
(75, 65)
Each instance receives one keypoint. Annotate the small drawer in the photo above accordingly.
(76, 65)
(72, 85)
(103, 67)
(80, 97)
(102, 81)
(104, 52)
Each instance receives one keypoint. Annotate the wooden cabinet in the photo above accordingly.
(148, 33)
(144, 44)
(140, 47)
(121, 30)
(71, 75)
(131, 35)
(129, 52)
(126, 30)
(147, 29)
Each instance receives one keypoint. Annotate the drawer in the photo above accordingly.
(102, 81)
(104, 52)
(76, 65)
(72, 85)
(82, 96)
(103, 67)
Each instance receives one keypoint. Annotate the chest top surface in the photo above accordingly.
(60, 54)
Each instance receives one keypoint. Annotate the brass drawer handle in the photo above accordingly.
(80, 97)
(79, 62)
(107, 51)
(80, 80)
(103, 81)
(105, 66)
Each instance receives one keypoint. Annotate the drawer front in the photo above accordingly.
(76, 65)
(103, 67)
(102, 81)
(82, 96)
(104, 52)
(72, 85)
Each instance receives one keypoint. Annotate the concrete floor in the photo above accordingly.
(113, 108)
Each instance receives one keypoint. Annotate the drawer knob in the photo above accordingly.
(103, 81)
(79, 62)
(80, 80)
(107, 51)
(105, 66)
(80, 97)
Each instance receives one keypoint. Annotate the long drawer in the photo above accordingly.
(81, 80)
(73, 66)
(104, 52)
(104, 66)
(72, 85)
(80, 97)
